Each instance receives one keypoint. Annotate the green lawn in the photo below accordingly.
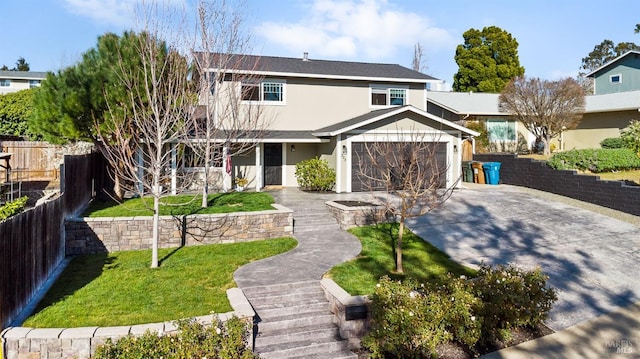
(421, 260)
(184, 204)
(120, 289)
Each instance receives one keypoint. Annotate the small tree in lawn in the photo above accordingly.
(411, 174)
(140, 134)
(545, 108)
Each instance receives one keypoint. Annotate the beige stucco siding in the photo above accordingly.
(595, 127)
(303, 151)
(244, 166)
(311, 104)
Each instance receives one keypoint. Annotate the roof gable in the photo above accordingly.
(305, 67)
(378, 115)
(612, 62)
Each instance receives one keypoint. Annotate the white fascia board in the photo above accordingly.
(321, 76)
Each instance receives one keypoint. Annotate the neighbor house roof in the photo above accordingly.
(23, 75)
(377, 115)
(312, 68)
(619, 101)
(612, 62)
(486, 104)
(467, 103)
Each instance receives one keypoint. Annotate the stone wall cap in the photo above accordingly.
(240, 303)
(113, 331)
(81, 332)
(16, 332)
(341, 295)
(45, 333)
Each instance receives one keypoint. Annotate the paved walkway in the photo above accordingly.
(591, 258)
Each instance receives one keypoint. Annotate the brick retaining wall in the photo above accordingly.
(100, 235)
(535, 174)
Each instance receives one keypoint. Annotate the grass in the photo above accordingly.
(183, 205)
(421, 260)
(618, 176)
(120, 289)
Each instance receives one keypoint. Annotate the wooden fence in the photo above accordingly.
(32, 243)
(32, 160)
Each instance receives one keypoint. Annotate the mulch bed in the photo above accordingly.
(355, 203)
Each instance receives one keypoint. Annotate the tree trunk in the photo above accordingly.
(547, 149)
(399, 268)
(156, 225)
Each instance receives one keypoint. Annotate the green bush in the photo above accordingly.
(194, 340)
(12, 208)
(596, 160)
(613, 142)
(410, 320)
(315, 175)
(511, 298)
(631, 136)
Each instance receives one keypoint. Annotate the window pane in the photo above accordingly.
(378, 99)
(272, 91)
(5, 83)
(500, 131)
(250, 92)
(397, 97)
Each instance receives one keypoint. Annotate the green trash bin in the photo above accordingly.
(467, 171)
(492, 172)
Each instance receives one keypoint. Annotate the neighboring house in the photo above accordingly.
(329, 109)
(621, 74)
(13, 81)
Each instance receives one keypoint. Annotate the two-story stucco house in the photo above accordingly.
(13, 81)
(329, 109)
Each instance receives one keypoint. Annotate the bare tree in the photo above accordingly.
(226, 125)
(410, 174)
(419, 63)
(545, 108)
(143, 131)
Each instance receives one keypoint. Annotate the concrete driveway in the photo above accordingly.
(592, 259)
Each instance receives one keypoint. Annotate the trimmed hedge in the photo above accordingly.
(315, 175)
(596, 160)
(613, 142)
(12, 208)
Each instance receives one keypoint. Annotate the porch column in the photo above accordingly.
(226, 173)
(258, 167)
(174, 169)
(339, 160)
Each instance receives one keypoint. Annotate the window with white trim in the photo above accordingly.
(501, 131)
(269, 91)
(34, 83)
(615, 79)
(5, 83)
(388, 96)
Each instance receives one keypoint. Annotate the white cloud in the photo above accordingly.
(371, 29)
(111, 12)
(120, 13)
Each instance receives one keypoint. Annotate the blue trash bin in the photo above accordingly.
(492, 172)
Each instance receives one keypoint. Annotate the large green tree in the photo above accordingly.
(487, 60)
(15, 110)
(603, 53)
(21, 65)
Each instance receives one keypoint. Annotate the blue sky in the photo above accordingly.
(553, 35)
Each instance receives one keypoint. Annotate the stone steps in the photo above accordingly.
(294, 321)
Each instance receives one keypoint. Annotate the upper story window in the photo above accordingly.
(34, 83)
(269, 91)
(5, 83)
(388, 96)
(615, 79)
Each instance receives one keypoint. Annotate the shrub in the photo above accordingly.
(596, 160)
(410, 320)
(194, 340)
(511, 298)
(631, 136)
(12, 208)
(315, 175)
(613, 142)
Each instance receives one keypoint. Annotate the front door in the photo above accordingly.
(273, 164)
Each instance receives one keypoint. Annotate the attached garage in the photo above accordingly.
(430, 145)
(366, 171)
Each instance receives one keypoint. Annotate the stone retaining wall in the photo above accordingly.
(538, 175)
(351, 312)
(100, 235)
(81, 343)
(349, 216)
